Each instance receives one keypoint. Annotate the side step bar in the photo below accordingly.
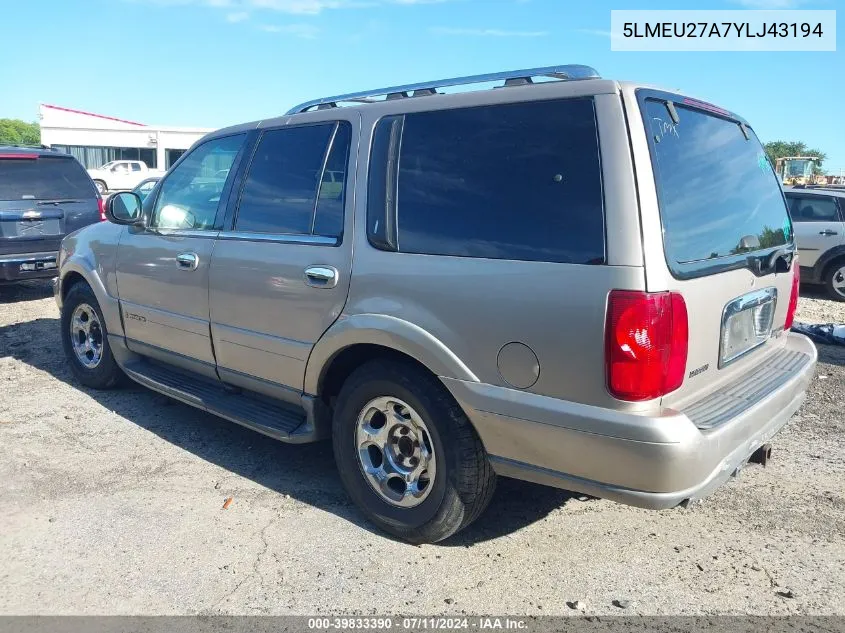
(278, 421)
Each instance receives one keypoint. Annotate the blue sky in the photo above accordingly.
(211, 63)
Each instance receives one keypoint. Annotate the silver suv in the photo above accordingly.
(819, 219)
(569, 280)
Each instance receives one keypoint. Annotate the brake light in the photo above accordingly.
(20, 156)
(102, 210)
(793, 296)
(646, 343)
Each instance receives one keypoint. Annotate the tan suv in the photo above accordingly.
(570, 280)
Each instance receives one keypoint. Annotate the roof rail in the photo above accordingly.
(513, 77)
(26, 145)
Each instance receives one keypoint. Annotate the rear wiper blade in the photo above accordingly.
(46, 202)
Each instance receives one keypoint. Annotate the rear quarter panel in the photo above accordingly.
(474, 306)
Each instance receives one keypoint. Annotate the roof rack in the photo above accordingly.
(511, 78)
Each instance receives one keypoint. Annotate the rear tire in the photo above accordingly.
(460, 480)
(834, 280)
(101, 187)
(85, 339)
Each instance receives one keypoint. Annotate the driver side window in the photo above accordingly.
(190, 194)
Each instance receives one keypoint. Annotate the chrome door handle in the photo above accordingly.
(187, 261)
(321, 276)
(828, 232)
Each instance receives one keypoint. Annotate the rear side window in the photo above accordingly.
(515, 181)
(295, 183)
(44, 178)
(813, 208)
(719, 196)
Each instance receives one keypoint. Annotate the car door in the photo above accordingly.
(279, 277)
(162, 269)
(818, 225)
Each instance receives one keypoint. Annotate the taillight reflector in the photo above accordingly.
(793, 296)
(646, 345)
(102, 210)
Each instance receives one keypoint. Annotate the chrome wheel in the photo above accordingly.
(395, 451)
(101, 188)
(838, 282)
(86, 335)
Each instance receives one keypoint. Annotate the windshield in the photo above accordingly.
(719, 196)
(44, 179)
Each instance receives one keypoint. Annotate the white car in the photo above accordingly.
(818, 218)
(121, 175)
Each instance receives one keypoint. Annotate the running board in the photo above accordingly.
(275, 420)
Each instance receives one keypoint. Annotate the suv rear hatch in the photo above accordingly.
(726, 239)
(42, 198)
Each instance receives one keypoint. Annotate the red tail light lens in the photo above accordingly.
(647, 339)
(102, 210)
(793, 296)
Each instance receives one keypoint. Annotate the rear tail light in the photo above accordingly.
(793, 296)
(102, 210)
(646, 344)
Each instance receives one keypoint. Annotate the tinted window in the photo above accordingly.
(813, 209)
(515, 181)
(330, 202)
(44, 178)
(716, 188)
(280, 192)
(191, 193)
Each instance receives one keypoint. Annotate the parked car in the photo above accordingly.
(555, 281)
(145, 187)
(44, 195)
(818, 216)
(121, 175)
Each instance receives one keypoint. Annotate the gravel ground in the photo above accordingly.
(113, 503)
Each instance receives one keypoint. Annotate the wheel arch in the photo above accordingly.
(355, 340)
(76, 270)
(827, 260)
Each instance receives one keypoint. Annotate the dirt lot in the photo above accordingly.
(112, 503)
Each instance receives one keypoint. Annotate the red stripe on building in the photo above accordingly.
(98, 116)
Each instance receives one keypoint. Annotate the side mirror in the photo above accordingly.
(125, 208)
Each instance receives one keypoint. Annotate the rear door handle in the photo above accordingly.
(187, 261)
(828, 232)
(321, 276)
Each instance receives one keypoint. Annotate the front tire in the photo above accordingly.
(85, 339)
(407, 454)
(102, 189)
(834, 280)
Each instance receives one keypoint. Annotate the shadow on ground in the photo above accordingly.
(25, 291)
(305, 472)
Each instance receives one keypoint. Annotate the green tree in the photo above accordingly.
(782, 149)
(17, 132)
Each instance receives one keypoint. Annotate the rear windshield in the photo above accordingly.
(44, 178)
(719, 196)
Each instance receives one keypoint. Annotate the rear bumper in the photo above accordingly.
(651, 461)
(14, 267)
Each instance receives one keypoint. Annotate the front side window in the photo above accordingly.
(190, 194)
(813, 208)
(517, 181)
(295, 182)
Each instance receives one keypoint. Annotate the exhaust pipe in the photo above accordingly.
(762, 455)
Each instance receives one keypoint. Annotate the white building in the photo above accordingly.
(95, 139)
